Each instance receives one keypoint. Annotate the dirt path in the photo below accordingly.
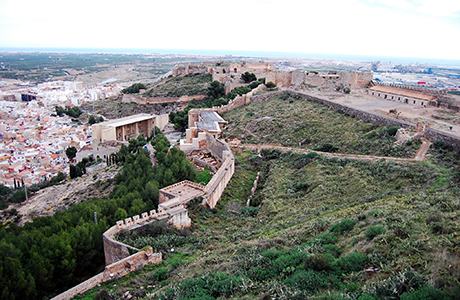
(419, 157)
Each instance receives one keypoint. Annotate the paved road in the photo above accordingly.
(420, 156)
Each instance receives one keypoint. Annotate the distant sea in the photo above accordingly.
(243, 53)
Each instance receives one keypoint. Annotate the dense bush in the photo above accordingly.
(308, 280)
(248, 77)
(210, 286)
(343, 226)
(374, 231)
(134, 88)
(249, 211)
(392, 130)
(73, 112)
(270, 85)
(353, 262)
(425, 293)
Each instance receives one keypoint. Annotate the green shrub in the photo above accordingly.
(374, 231)
(261, 274)
(332, 250)
(425, 293)
(18, 196)
(326, 238)
(353, 262)
(343, 226)
(133, 89)
(210, 286)
(392, 130)
(319, 262)
(249, 211)
(270, 85)
(326, 148)
(308, 280)
(366, 297)
(289, 262)
(272, 254)
(160, 274)
(248, 77)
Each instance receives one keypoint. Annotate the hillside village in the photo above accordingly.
(34, 140)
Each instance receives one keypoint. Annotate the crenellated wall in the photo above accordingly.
(112, 271)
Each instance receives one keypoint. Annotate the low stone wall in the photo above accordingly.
(131, 263)
(152, 100)
(204, 164)
(437, 135)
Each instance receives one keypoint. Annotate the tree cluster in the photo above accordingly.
(134, 88)
(73, 112)
(51, 254)
(93, 120)
(248, 77)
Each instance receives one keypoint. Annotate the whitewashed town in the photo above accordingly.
(33, 137)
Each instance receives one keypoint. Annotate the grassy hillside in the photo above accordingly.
(291, 121)
(319, 222)
(190, 85)
(314, 226)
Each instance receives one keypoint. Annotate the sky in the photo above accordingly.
(399, 28)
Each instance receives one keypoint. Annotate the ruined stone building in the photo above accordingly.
(124, 129)
(201, 122)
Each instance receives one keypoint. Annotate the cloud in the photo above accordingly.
(439, 8)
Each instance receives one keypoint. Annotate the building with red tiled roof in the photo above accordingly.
(403, 96)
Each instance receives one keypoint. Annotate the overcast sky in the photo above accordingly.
(404, 28)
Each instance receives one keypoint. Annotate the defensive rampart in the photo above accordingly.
(152, 100)
(118, 261)
(115, 270)
(219, 181)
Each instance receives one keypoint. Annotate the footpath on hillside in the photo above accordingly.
(420, 156)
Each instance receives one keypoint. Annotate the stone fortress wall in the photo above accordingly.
(147, 100)
(221, 178)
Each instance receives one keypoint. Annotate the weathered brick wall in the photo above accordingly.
(131, 263)
(216, 147)
(152, 100)
(219, 181)
(356, 79)
(436, 135)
